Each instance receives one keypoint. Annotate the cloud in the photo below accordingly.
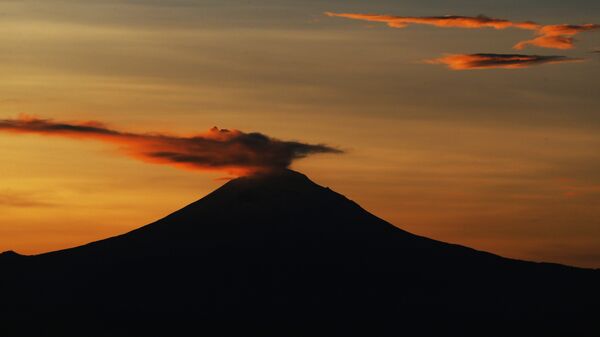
(448, 21)
(233, 151)
(572, 188)
(21, 199)
(549, 36)
(557, 36)
(491, 61)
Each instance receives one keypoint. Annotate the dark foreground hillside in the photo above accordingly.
(277, 255)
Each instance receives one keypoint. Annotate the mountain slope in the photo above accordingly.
(278, 254)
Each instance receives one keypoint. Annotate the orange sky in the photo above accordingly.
(503, 160)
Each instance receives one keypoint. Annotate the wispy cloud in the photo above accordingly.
(557, 36)
(233, 151)
(573, 188)
(449, 21)
(549, 36)
(21, 199)
(502, 61)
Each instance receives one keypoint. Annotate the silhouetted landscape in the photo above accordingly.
(276, 254)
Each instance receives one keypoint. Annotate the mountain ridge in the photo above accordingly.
(278, 253)
(286, 178)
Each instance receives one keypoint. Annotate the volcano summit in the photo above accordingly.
(276, 254)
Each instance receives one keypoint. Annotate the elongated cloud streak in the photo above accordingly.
(232, 151)
(24, 200)
(549, 36)
(557, 36)
(502, 61)
(449, 21)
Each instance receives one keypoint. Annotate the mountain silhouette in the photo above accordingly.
(276, 254)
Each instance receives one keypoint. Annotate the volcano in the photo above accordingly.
(276, 254)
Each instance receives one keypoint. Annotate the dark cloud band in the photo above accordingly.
(503, 61)
(233, 151)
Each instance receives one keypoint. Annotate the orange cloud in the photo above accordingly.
(448, 21)
(557, 36)
(491, 61)
(233, 151)
(549, 36)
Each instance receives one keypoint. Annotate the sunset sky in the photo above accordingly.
(481, 128)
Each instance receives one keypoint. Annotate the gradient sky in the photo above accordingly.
(503, 160)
